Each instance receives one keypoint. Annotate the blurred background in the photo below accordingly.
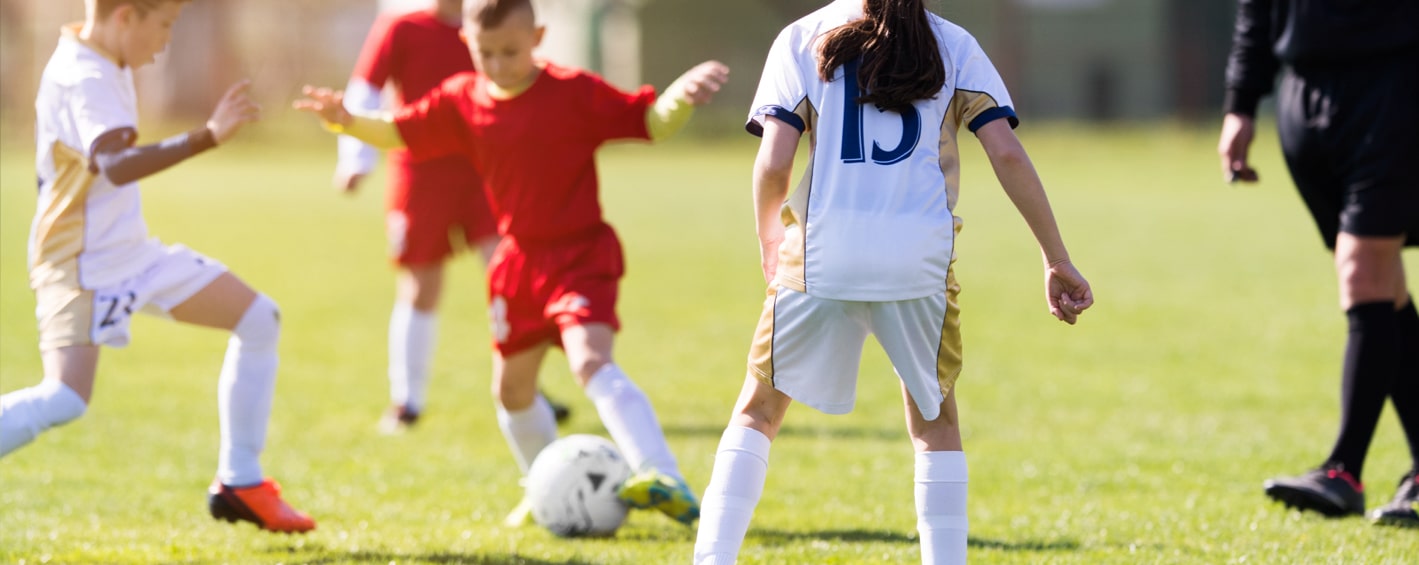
(1089, 60)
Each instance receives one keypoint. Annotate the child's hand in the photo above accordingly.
(233, 111)
(698, 85)
(1067, 292)
(328, 104)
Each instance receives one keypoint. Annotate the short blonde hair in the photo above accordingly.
(103, 8)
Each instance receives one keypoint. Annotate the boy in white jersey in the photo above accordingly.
(92, 264)
(866, 244)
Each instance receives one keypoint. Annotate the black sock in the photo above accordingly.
(1405, 392)
(1371, 360)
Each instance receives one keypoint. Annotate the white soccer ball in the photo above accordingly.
(572, 486)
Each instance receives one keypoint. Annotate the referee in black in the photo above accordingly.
(1348, 112)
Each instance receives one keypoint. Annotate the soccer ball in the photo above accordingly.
(572, 486)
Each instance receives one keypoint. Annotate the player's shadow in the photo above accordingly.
(780, 537)
(894, 434)
(385, 557)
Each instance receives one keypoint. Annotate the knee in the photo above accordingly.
(586, 366)
(758, 419)
(260, 326)
(1361, 282)
(511, 395)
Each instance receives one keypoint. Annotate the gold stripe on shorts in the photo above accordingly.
(948, 355)
(761, 352)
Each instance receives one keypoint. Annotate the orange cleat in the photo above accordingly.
(260, 504)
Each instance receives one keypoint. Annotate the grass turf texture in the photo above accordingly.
(1140, 436)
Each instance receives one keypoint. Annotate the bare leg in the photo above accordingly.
(60, 398)
(940, 482)
(741, 465)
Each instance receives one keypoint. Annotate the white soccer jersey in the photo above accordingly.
(86, 231)
(872, 219)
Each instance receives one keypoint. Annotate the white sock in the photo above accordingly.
(528, 430)
(626, 412)
(941, 506)
(244, 393)
(26, 412)
(740, 466)
(412, 335)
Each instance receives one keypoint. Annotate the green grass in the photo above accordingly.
(1140, 436)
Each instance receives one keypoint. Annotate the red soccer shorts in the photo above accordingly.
(430, 203)
(535, 290)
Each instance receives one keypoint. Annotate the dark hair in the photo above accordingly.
(901, 62)
(103, 8)
(491, 13)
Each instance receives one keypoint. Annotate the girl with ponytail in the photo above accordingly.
(867, 82)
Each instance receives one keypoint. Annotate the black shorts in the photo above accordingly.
(1351, 138)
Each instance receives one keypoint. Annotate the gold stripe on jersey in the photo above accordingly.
(59, 226)
(791, 267)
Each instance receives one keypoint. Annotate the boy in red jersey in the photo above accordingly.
(427, 201)
(532, 129)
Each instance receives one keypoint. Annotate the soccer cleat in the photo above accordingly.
(653, 489)
(520, 516)
(397, 418)
(1403, 510)
(559, 411)
(260, 505)
(1329, 490)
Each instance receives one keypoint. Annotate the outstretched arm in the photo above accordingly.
(674, 107)
(378, 131)
(1067, 293)
(115, 157)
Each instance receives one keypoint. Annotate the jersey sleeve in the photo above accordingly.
(434, 126)
(980, 96)
(97, 109)
(376, 62)
(615, 114)
(783, 90)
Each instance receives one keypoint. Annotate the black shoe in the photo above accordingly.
(397, 419)
(559, 411)
(1330, 490)
(1403, 510)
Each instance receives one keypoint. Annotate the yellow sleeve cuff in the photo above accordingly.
(669, 114)
(377, 131)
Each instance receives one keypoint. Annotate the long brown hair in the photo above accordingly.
(901, 62)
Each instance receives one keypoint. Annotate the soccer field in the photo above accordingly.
(1140, 436)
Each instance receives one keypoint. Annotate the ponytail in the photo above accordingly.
(901, 62)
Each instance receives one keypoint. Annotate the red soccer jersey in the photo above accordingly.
(536, 152)
(416, 50)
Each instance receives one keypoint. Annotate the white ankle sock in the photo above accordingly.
(941, 506)
(27, 412)
(528, 430)
(244, 393)
(740, 467)
(412, 335)
(626, 412)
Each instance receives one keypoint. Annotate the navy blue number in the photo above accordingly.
(853, 144)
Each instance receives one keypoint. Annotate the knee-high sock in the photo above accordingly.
(528, 430)
(1405, 391)
(626, 412)
(27, 412)
(1371, 358)
(412, 335)
(941, 506)
(245, 391)
(740, 467)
